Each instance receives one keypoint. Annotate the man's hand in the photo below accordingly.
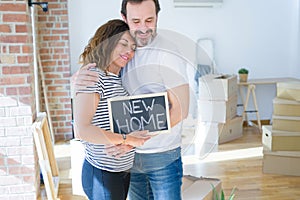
(83, 78)
(117, 151)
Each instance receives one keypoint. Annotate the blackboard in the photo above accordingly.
(141, 112)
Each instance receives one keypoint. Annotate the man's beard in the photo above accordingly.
(141, 42)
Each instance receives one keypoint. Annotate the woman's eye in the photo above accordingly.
(123, 44)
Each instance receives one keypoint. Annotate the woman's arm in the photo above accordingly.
(85, 106)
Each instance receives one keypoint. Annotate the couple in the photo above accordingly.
(148, 64)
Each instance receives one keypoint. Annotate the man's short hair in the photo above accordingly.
(124, 4)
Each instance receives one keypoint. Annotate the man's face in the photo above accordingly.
(142, 21)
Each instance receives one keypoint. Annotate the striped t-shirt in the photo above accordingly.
(108, 86)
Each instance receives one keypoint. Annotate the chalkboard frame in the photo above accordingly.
(137, 97)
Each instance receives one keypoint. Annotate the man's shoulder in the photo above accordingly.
(163, 41)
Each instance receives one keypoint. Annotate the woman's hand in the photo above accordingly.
(133, 139)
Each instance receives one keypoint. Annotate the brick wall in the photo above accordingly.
(19, 172)
(53, 37)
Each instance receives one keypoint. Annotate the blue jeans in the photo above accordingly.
(156, 176)
(103, 185)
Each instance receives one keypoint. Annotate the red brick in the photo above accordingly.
(16, 70)
(51, 38)
(27, 100)
(14, 161)
(2, 161)
(62, 81)
(4, 28)
(17, 80)
(14, 49)
(15, 17)
(27, 49)
(63, 112)
(24, 90)
(63, 130)
(60, 12)
(61, 31)
(13, 7)
(24, 59)
(52, 76)
(59, 94)
(22, 29)
(11, 91)
(55, 88)
(48, 63)
(14, 39)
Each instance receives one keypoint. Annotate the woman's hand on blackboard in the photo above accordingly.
(137, 138)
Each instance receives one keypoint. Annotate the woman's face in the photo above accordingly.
(124, 51)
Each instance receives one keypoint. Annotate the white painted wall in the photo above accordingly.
(262, 35)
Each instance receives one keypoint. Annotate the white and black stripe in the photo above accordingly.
(108, 86)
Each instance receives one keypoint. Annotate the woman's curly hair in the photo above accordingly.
(101, 45)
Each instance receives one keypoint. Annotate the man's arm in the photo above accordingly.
(83, 78)
(179, 99)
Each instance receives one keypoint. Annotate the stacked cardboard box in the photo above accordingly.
(217, 107)
(281, 141)
(195, 188)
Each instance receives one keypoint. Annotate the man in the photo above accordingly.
(156, 67)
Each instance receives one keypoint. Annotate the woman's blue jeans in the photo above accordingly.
(103, 185)
(156, 176)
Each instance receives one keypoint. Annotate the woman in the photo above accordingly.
(105, 176)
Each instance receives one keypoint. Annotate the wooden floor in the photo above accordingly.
(237, 164)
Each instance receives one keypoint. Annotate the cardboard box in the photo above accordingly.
(217, 111)
(286, 123)
(289, 90)
(217, 87)
(281, 162)
(283, 107)
(274, 140)
(222, 132)
(194, 188)
(231, 130)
